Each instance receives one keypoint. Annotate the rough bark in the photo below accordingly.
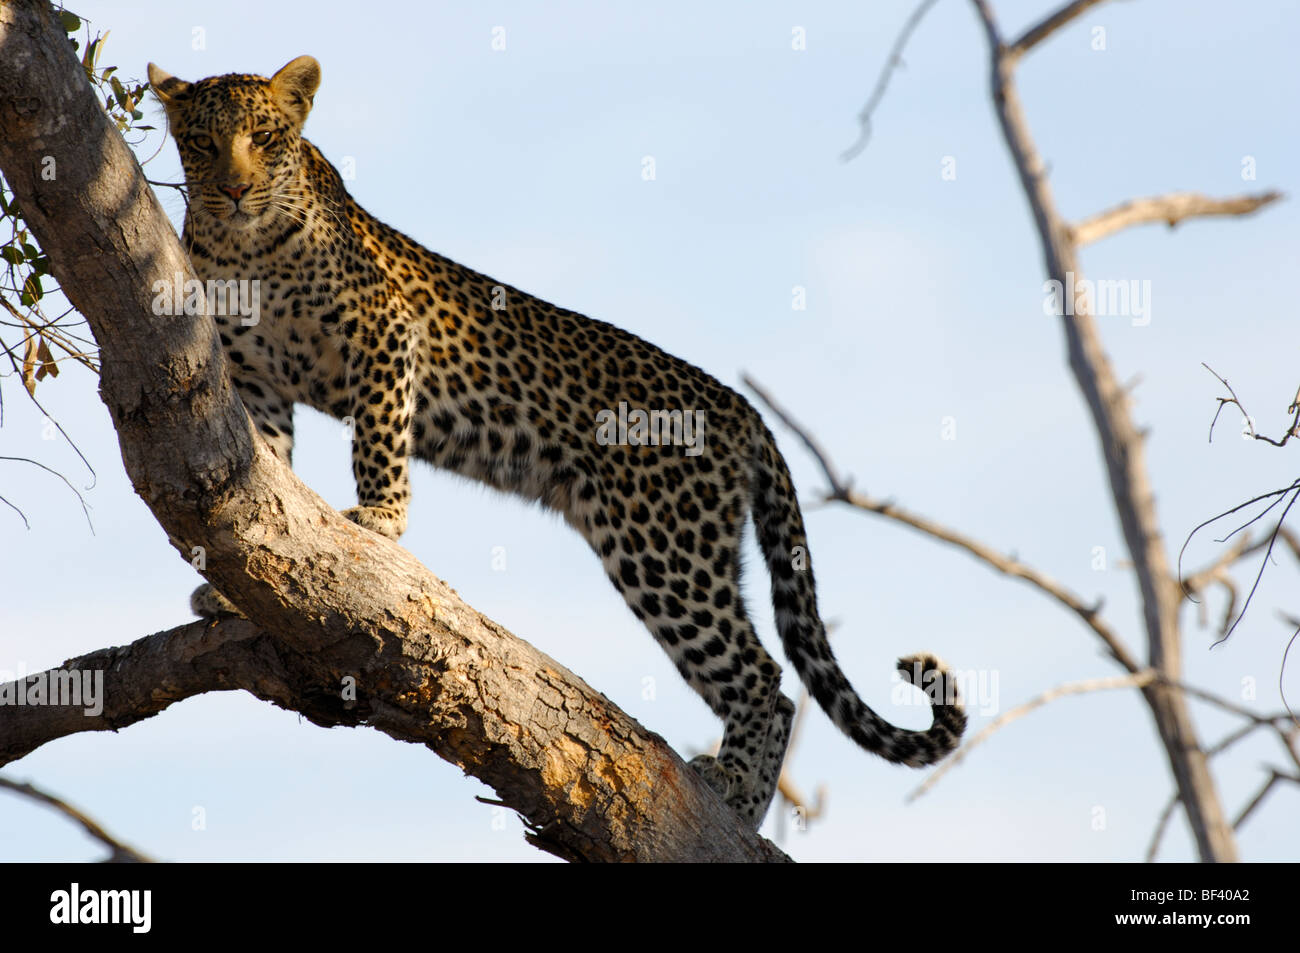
(1122, 448)
(330, 601)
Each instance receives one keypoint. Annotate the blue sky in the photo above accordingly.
(924, 307)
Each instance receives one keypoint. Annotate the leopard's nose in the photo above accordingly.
(237, 190)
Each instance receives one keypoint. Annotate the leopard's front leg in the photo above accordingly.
(381, 377)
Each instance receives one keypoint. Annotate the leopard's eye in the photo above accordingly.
(202, 142)
(261, 137)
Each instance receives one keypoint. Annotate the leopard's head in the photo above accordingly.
(239, 138)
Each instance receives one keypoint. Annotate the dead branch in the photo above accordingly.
(1274, 777)
(841, 491)
(1134, 680)
(335, 608)
(1046, 27)
(1121, 443)
(1161, 823)
(1170, 209)
(1293, 430)
(119, 852)
(1244, 547)
(895, 61)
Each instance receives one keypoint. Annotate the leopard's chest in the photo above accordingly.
(285, 330)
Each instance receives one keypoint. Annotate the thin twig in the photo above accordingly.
(85, 507)
(894, 62)
(841, 491)
(1161, 823)
(1135, 680)
(120, 852)
(1292, 431)
(1274, 777)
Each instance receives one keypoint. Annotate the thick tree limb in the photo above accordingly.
(558, 752)
(332, 602)
(1122, 448)
(1170, 209)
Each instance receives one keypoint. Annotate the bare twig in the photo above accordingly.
(1170, 209)
(1121, 443)
(841, 491)
(85, 507)
(1161, 823)
(1274, 777)
(1135, 680)
(1046, 27)
(1200, 579)
(894, 62)
(808, 810)
(1293, 430)
(120, 853)
(1255, 722)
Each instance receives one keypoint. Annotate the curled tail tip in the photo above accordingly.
(928, 673)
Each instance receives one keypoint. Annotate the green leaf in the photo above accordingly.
(42, 265)
(136, 114)
(119, 92)
(71, 22)
(12, 255)
(32, 288)
(31, 251)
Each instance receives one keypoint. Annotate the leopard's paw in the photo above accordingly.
(714, 774)
(210, 604)
(384, 520)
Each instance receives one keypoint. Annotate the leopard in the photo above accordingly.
(429, 360)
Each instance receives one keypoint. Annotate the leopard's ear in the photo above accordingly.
(295, 85)
(167, 87)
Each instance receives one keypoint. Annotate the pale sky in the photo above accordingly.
(923, 361)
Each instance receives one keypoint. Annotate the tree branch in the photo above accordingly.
(1274, 777)
(1293, 429)
(119, 852)
(1170, 209)
(841, 491)
(345, 606)
(1134, 680)
(560, 753)
(1122, 449)
(895, 61)
(1046, 27)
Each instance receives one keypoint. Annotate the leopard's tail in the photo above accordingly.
(785, 550)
